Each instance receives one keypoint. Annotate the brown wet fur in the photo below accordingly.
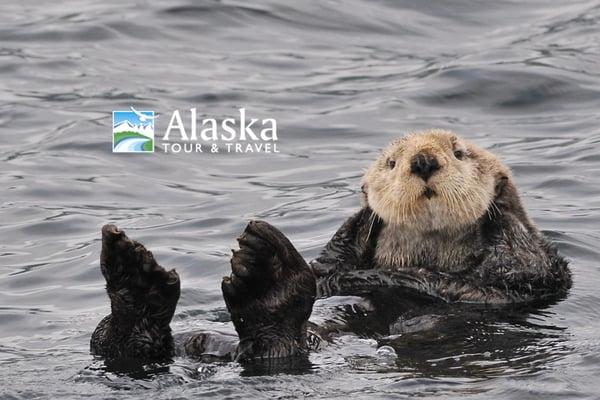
(143, 296)
(269, 294)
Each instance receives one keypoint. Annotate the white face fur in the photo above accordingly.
(458, 191)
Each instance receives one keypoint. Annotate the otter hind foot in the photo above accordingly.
(143, 297)
(270, 294)
(137, 285)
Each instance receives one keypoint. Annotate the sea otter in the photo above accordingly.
(441, 225)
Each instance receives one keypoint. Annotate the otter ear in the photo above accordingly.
(501, 183)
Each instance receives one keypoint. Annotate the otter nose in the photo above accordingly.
(424, 165)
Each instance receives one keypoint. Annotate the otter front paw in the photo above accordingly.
(270, 294)
(143, 297)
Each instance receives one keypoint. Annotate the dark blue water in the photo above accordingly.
(342, 79)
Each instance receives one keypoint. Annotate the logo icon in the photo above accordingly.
(133, 131)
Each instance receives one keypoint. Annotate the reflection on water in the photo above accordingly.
(519, 78)
(483, 348)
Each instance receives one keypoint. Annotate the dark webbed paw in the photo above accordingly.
(136, 284)
(143, 297)
(269, 293)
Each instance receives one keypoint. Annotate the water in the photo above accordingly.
(342, 79)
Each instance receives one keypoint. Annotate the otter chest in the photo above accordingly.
(400, 249)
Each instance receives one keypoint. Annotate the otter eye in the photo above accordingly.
(390, 163)
(459, 154)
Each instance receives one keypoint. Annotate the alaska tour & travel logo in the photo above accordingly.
(133, 131)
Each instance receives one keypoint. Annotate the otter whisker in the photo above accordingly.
(372, 218)
(493, 203)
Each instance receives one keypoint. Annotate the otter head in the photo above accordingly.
(431, 181)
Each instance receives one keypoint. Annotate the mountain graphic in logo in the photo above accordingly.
(133, 131)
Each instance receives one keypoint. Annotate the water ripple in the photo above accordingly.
(342, 79)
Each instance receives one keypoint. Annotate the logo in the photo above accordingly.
(189, 132)
(133, 131)
(230, 135)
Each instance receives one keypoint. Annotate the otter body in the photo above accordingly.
(441, 223)
(442, 217)
(449, 251)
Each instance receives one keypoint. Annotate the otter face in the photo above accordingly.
(432, 180)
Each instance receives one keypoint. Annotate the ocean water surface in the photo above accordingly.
(342, 78)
